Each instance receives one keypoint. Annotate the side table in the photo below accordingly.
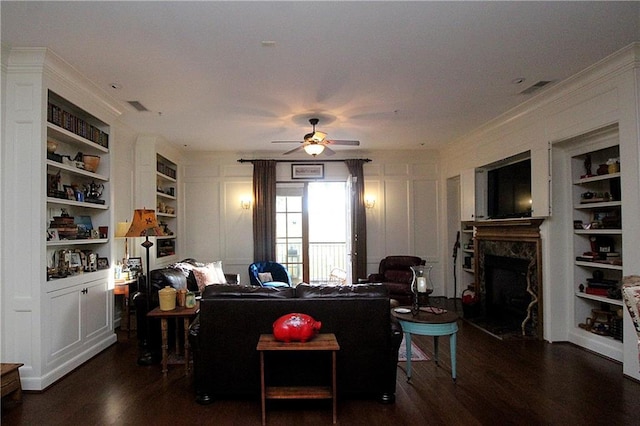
(121, 287)
(178, 313)
(429, 324)
(10, 381)
(322, 342)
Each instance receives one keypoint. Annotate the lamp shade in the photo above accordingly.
(313, 148)
(121, 229)
(144, 224)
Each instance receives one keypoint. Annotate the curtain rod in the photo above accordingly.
(366, 160)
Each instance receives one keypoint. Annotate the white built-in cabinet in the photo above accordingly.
(467, 249)
(86, 308)
(157, 186)
(592, 214)
(473, 187)
(52, 322)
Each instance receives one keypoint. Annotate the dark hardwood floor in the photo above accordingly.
(518, 382)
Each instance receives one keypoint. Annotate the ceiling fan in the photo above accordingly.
(316, 142)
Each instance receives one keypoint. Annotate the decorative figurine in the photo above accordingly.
(295, 328)
(587, 165)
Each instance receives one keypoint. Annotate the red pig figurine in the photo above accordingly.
(295, 328)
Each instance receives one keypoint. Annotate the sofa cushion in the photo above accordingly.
(247, 291)
(306, 291)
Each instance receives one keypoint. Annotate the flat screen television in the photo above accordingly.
(509, 190)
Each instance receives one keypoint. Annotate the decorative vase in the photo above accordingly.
(91, 162)
(167, 298)
(52, 146)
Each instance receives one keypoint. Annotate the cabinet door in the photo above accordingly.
(95, 309)
(541, 183)
(62, 321)
(467, 195)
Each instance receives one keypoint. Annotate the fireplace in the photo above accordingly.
(509, 276)
(506, 299)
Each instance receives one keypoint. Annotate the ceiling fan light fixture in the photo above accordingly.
(313, 148)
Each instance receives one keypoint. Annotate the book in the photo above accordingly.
(597, 291)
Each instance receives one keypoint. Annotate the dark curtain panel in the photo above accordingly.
(264, 210)
(358, 221)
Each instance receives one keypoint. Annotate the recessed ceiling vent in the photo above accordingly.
(539, 85)
(138, 106)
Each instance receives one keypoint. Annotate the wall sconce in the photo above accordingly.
(369, 202)
(245, 203)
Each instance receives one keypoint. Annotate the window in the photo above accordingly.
(311, 229)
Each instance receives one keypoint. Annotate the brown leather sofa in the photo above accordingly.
(225, 334)
(395, 273)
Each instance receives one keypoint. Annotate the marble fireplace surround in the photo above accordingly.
(519, 239)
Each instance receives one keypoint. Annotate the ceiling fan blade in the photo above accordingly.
(286, 142)
(328, 151)
(294, 150)
(342, 142)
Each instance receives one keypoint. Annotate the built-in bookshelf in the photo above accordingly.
(591, 206)
(57, 138)
(166, 205)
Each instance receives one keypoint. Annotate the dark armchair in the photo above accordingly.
(269, 274)
(395, 273)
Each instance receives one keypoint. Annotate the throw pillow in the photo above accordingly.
(209, 274)
(205, 275)
(217, 266)
(265, 277)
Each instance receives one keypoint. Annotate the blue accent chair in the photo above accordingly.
(279, 274)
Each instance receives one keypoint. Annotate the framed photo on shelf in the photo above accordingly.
(103, 263)
(135, 266)
(52, 234)
(75, 260)
(307, 171)
(85, 226)
(71, 194)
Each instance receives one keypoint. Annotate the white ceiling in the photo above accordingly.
(390, 74)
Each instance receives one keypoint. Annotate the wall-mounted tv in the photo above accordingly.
(509, 190)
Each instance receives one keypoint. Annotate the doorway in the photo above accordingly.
(312, 229)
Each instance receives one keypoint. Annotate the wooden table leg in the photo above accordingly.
(335, 387)
(435, 349)
(127, 319)
(407, 338)
(177, 350)
(263, 390)
(165, 345)
(186, 345)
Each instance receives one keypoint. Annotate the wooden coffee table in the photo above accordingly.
(322, 342)
(429, 324)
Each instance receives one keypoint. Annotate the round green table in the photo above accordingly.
(428, 323)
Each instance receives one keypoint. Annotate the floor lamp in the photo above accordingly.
(145, 224)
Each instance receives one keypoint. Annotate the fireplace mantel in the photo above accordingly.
(508, 229)
(515, 238)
